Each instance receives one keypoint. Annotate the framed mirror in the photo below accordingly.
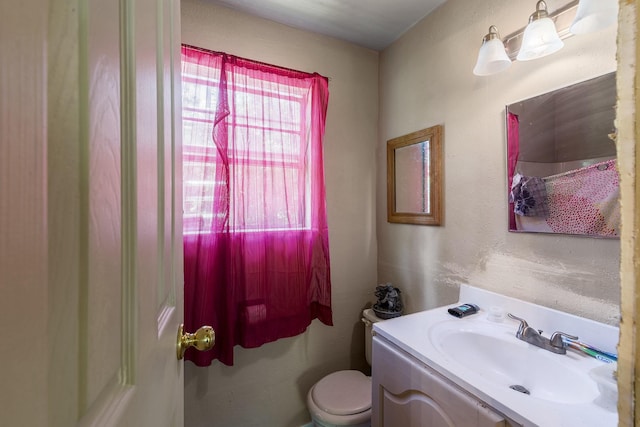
(414, 177)
(561, 161)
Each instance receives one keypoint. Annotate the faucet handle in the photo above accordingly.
(556, 339)
(523, 324)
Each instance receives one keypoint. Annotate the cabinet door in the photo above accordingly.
(409, 394)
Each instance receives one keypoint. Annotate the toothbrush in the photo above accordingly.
(590, 347)
(603, 356)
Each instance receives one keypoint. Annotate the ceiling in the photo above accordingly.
(374, 24)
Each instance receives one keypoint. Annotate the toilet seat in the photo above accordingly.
(343, 393)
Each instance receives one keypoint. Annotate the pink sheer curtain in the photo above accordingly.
(256, 246)
(513, 149)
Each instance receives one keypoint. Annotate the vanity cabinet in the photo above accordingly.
(408, 393)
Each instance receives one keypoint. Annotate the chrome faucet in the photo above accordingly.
(554, 344)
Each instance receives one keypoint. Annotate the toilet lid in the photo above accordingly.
(343, 393)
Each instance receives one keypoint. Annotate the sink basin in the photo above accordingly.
(495, 354)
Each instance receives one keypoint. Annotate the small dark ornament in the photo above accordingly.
(526, 203)
(389, 304)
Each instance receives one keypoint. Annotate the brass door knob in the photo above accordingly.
(203, 339)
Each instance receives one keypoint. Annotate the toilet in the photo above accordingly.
(343, 398)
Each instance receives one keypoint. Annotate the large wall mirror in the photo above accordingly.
(414, 177)
(561, 155)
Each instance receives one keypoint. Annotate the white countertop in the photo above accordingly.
(411, 333)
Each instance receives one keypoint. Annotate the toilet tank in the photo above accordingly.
(368, 318)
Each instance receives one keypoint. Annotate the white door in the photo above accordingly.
(90, 213)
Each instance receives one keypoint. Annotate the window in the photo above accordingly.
(270, 133)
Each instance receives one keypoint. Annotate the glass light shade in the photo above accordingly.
(594, 15)
(492, 58)
(540, 39)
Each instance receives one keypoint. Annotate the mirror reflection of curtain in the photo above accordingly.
(513, 141)
(256, 248)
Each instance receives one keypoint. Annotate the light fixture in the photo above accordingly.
(540, 37)
(594, 15)
(576, 17)
(492, 57)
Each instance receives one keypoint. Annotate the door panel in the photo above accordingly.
(137, 288)
(102, 283)
(100, 277)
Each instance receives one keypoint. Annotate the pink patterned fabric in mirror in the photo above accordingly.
(585, 201)
(581, 201)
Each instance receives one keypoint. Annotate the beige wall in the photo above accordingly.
(426, 79)
(267, 386)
